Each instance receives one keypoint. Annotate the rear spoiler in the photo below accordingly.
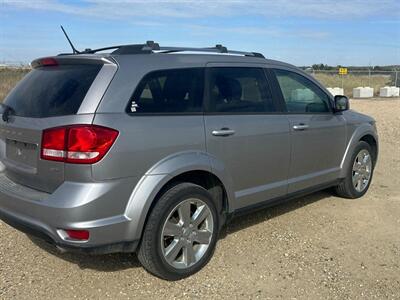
(72, 60)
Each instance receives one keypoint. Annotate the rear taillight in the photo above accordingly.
(53, 144)
(81, 144)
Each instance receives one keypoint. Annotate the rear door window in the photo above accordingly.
(52, 91)
(239, 90)
(169, 91)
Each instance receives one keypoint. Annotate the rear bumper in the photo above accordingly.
(97, 207)
(38, 232)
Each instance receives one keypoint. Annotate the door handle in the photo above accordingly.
(300, 127)
(223, 132)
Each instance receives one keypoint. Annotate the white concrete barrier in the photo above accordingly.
(330, 90)
(335, 91)
(389, 91)
(385, 92)
(363, 92)
(395, 91)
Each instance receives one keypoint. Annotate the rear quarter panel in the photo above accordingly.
(143, 141)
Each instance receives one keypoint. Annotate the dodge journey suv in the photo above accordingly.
(153, 149)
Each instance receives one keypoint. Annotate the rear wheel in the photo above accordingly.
(359, 174)
(181, 232)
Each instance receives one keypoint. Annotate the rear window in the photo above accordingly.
(239, 90)
(52, 91)
(169, 91)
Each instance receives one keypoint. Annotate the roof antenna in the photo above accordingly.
(69, 41)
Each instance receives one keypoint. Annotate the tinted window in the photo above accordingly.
(301, 94)
(52, 91)
(169, 91)
(238, 90)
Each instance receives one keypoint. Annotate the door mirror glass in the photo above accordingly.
(341, 103)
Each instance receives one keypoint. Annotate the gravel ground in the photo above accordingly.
(315, 247)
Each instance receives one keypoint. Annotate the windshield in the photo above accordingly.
(52, 91)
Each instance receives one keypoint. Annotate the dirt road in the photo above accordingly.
(315, 247)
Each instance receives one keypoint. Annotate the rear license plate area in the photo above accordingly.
(22, 152)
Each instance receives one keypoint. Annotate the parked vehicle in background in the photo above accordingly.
(152, 149)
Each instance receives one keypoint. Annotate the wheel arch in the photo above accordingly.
(194, 167)
(370, 139)
(205, 179)
(363, 133)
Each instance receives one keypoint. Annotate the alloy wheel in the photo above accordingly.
(362, 168)
(187, 233)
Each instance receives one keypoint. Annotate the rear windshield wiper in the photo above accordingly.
(6, 111)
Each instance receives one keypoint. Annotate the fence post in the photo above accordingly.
(369, 77)
(342, 81)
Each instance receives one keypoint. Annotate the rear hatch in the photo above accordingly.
(57, 92)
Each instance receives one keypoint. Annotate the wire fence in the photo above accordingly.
(357, 78)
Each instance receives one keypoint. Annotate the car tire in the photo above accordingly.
(347, 188)
(177, 242)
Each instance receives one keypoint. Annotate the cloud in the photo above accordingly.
(325, 9)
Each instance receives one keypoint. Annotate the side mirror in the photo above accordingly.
(341, 103)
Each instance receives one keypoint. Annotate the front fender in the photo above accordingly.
(359, 132)
(160, 174)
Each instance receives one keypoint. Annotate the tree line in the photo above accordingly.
(326, 67)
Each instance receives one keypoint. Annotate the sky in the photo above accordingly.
(301, 32)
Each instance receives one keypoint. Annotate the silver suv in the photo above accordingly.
(152, 149)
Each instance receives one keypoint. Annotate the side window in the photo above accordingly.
(169, 91)
(300, 94)
(236, 90)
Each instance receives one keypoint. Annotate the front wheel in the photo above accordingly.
(181, 232)
(359, 174)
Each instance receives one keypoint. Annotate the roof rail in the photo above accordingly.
(151, 46)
